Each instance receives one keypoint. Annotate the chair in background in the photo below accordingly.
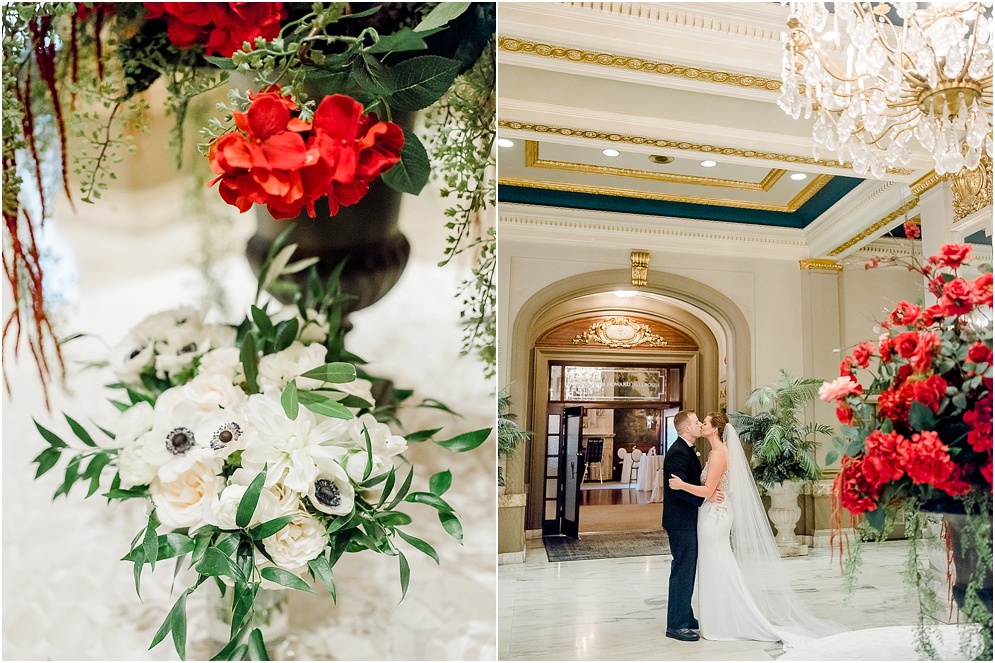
(595, 448)
(637, 456)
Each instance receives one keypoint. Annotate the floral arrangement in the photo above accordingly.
(263, 456)
(918, 437)
(325, 81)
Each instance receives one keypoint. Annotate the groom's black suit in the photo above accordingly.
(680, 519)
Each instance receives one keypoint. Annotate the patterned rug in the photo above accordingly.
(606, 546)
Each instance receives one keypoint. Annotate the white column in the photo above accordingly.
(936, 209)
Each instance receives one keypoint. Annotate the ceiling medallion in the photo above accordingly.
(619, 332)
(910, 72)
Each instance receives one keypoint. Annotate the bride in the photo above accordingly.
(743, 591)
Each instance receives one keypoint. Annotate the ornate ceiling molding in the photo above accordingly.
(820, 264)
(682, 15)
(972, 189)
(643, 65)
(619, 332)
(677, 145)
(925, 183)
(876, 226)
(532, 160)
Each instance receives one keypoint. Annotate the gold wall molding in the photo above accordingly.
(820, 264)
(791, 206)
(614, 61)
(925, 183)
(640, 267)
(678, 145)
(532, 160)
(972, 189)
(619, 332)
(874, 227)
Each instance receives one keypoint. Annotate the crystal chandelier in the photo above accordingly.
(905, 72)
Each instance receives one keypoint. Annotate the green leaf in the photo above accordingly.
(335, 372)
(875, 518)
(289, 400)
(221, 63)
(831, 457)
(46, 460)
(440, 483)
(247, 505)
(285, 578)
(372, 76)
(286, 334)
(275, 264)
(52, 439)
(150, 541)
(323, 405)
(174, 544)
(442, 14)
(93, 471)
(465, 441)
(217, 563)
(80, 431)
(262, 321)
(452, 525)
(271, 527)
(421, 81)
(404, 40)
(393, 518)
(322, 570)
(72, 474)
(422, 435)
(257, 648)
(402, 491)
(921, 417)
(176, 621)
(250, 363)
(411, 173)
(369, 454)
(431, 500)
(405, 573)
(388, 486)
(420, 545)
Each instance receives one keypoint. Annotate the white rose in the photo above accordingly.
(288, 501)
(331, 491)
(223, 361)
(277, 369)
(221, 336)
(132, 467)
(212, 391)
(297, 543)
(181, 503)
(224, 507)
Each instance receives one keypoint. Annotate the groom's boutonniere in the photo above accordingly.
(698, 454)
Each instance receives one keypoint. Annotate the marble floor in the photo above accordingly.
(615, 609)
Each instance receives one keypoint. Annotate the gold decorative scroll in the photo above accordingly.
(619, 332)
(640, 267)
(972, 189)
(823, 264)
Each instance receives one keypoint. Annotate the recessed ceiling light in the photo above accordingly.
(661, 159)
(708, 163)
(504, 142)
(798, 176)
(610, 152)
(624, 294)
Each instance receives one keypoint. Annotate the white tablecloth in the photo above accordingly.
(67, 596)
(892, 643)
(648, 466)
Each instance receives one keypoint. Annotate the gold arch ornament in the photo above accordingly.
(619, 332)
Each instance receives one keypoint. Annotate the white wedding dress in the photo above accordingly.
(743, 591)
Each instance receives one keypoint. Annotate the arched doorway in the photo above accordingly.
(709, 348)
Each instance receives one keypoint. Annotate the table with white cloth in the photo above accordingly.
(648, 466)
(67, 595)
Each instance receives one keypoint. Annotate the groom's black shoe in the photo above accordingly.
(685, 634)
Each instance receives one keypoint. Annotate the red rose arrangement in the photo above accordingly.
(921, 430)
(221, 27)
(276, 159)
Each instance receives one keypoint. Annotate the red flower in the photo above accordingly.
(935, 285)
(957, 298)
(980, 353)
(981, 290)
(933, 314)
(894, 404)
(885, 458)
(929, 462)
(855, 493)
(846, 368)
(885, 348)
(951, 255)
(929, 392)
(986, 469)
(979, 418)
(219, 26)
(922, 358)
(912, 230)
(906, 344)
(905, 314)
(862, 354)
(844, 413)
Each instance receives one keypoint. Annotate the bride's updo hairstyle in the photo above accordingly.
(719, 420)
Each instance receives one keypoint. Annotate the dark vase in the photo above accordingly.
(966, 561)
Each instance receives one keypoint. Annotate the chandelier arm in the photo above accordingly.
(970, 54)
(885, 133)
(894, 30)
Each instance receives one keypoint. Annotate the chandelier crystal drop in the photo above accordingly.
(877, 75)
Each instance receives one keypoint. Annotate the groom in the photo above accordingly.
(680, 519)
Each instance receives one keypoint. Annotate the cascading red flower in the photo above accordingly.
(951, 255)
(220, 27)
(278, 160)
(856, 494)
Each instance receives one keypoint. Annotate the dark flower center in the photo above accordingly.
(135, 353)
(327, 492)
(225, 435)
(180, 440)
(189, 347)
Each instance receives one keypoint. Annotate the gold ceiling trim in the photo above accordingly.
(821, 264)
(972, 189)
(532, 160)
(619, 332)
(925, 183)
(678, 145)
(808, 192)
(874, 227)
(613, 61)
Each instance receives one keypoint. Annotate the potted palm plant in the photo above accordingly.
(783, 450)
(510, 437)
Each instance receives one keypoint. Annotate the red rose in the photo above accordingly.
(933, 314)
(922, 358)
(935, 285)
(979, 418)
(980, 353)
(981, 290)
(905, 371)
(929, 392)
(912, 230)
(846, 368)
(957, 298)
(906, 344)
(843, 413)
(905, 314)
(951, 255)
(862, 354)
(885, 348)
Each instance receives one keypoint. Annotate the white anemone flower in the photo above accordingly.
(331, 491)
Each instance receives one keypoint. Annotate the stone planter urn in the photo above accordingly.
(784, 513)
